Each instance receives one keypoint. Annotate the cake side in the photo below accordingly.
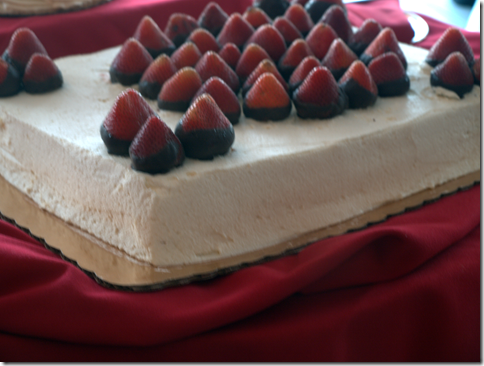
(279, 181)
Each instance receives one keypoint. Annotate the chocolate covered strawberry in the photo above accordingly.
(270, 40)
(296, 52)
(288, 30)
(364, 35)
(476, 71)
(230, 53)
(338, 58)
(359, 86)
(187, 55)
(23, 44)
(319, 96)
(300, 18)
(211, 64)
(263, 67)
(212, 18)
(41, 75)
(256, 17)
(452, 40)
(320, 39)
(389, 75)
(152, 38)
(250, 58)
(236, 30)
(159, 71)
(179, 27)
(317, 8)
(9, 80)
(177, 92)
(386, 41)
(224, 96)
(273, 8)
(267, 100)
(128, 113)
(204, 131)
(301, 71)
(204, 40)
(453, 74)
(156, 149)
(130, 63)
(337, 19)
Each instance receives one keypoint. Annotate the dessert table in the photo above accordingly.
(406, 289)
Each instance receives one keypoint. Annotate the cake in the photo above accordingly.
(39, 7)
(279, 180)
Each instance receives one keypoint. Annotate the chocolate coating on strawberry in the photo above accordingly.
(156, 149)
(453, 74)
(152, 38)
(41, 75)
(179, 27)
(319, 96)
(386, 41)
(125, 118)
(300, 18)
(301, 71)
(204, 131)
(10, 82)
(359, 86)
(288, 30)
(336, 17)
(364, 35)
(177, 92)
(212, 18)
(273, 8)
(211, 64)
(160, 70)
(296, 52)
(130, 63)
(476, 71)
(267, 100)
(317, 8)
(23, 44)
(452, 40)
(389, 75)
(236, 30)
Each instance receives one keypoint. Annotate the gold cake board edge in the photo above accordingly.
(114, 269)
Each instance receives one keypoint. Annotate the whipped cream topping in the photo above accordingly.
(280, 180)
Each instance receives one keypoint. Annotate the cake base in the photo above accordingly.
(114, 269)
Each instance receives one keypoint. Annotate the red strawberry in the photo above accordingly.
(223, 96)
(297, 52)
(211, 64)
(177, 92)
(338, 58)
(453, 74)
(269, 39)
(337, 19)
(230, 53)
(23, 44)
(273, 8)
(359, 86)
(9, 80)
(301, 71)
(300, 18)
(130, 63)
(156, 149)
(204, 40)
(128, 113)
(452, 40)
(288, 30)
(236, 30)
(317, 8)
(204, 131)
(250, 58)
(389, 75)
(267, 100)
(160, 70)
(319, 95)
(364, 36)
(179, 27)
(41, 75)
(320, 39)
(476, 71)
(187, 55)
(152, 38)
(386, 41)
(265, 66)
(212, 18)
(256, 17)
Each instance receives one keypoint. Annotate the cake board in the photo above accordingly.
(114, 269)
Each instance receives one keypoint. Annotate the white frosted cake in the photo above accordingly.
(279, 181)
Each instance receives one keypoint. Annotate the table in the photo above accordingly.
(407, 289)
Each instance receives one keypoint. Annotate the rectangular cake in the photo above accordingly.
(279, 181)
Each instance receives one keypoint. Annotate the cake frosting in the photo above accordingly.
(279, 180)
(31, 7)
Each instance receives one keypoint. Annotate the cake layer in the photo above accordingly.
(280, 180)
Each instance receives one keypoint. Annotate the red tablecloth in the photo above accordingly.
(407, 289)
